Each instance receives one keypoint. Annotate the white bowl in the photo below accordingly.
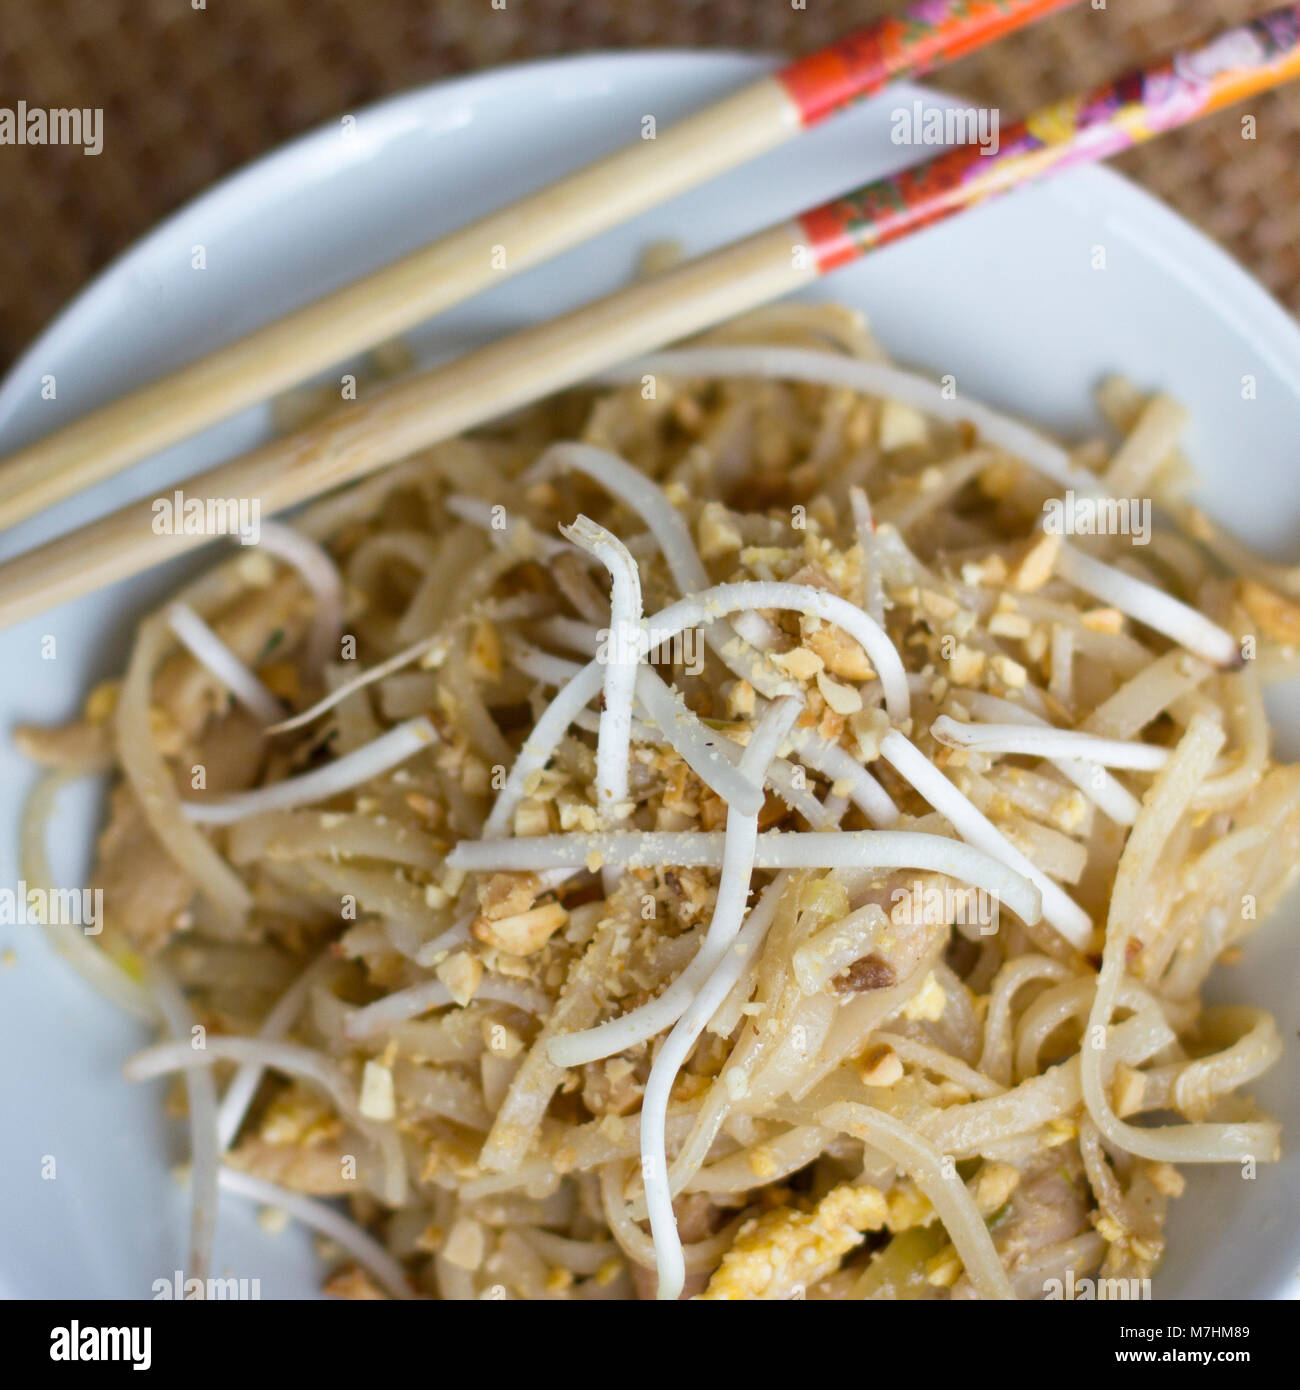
(1005, 298)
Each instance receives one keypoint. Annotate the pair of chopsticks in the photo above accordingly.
(381, 305)
(435, 404)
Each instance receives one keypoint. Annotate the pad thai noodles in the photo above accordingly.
(754, 827)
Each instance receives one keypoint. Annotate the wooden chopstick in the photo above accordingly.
(435, 404)
(424, 283)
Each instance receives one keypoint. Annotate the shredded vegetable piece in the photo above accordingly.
(209, 650)
(1146, 604)
(972, 825)
(613, 740)
(863, 849)
(376, 758)
(322, 577)
(669, 1262)
(204, 1145)
(874, 378)
(332, 1224)
(358, 682)
(1048, 743)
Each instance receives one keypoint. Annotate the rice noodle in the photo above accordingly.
(837, 945)
(1168, 800)
(1154, 435)
(243, 1085)
(935, 1060)
(201, 1093)
(540, 665)
(522, 537)
(520, 1115)
(799, 1146)
(292, 1058)
(983, 1126)
(636, 1244)
(521, 969)
(948, 1195)
(95, 965)
(154, 786)
(873, 378)
(1202, 1082)
(873, 592)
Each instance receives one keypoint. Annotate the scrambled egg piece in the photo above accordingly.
(781, 1253)
(928, 1002)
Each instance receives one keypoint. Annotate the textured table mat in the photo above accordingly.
(190, 94)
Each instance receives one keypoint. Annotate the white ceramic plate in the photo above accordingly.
(1005, 298)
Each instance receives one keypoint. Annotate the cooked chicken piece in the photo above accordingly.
(1047, 1207)
(353, 1283)
(300, 1144)
(81, 746)
(231, 752)
(145, 894)
(316, 1169)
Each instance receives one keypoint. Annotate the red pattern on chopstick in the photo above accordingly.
(927, 33)
(1233, 65)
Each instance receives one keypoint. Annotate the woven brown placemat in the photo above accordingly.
(189, 94)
